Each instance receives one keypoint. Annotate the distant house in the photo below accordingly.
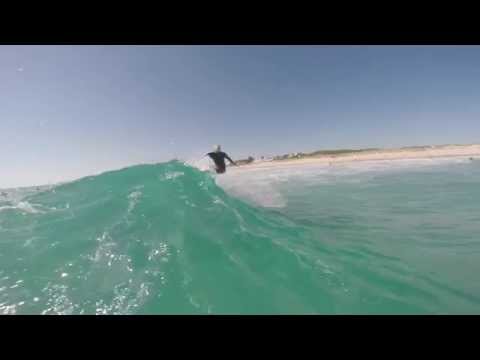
(248, 160)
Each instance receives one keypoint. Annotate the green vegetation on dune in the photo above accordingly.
(301, 155)
(339, 152)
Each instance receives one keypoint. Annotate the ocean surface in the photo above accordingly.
(385, 237)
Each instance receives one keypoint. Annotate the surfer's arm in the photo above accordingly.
(231, 161)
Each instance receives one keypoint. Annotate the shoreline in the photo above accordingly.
(409, 153)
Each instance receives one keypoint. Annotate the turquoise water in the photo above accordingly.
(397, 237)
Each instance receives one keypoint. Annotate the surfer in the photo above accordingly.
(218, 157)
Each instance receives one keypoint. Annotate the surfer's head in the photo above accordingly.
(217, 148)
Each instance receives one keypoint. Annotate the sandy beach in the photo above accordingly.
(423, 152)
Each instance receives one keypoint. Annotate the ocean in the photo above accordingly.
(370, 237)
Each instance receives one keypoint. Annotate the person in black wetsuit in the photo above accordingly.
(218, 157)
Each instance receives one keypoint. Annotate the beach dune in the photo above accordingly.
(417, 152)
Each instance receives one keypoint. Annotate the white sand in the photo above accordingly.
(426, 152)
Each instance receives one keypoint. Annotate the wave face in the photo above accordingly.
(148, 239)
(166, 239)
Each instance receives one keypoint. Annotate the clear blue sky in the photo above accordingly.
(69, 111)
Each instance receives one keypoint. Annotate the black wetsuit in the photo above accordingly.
(219, 160)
